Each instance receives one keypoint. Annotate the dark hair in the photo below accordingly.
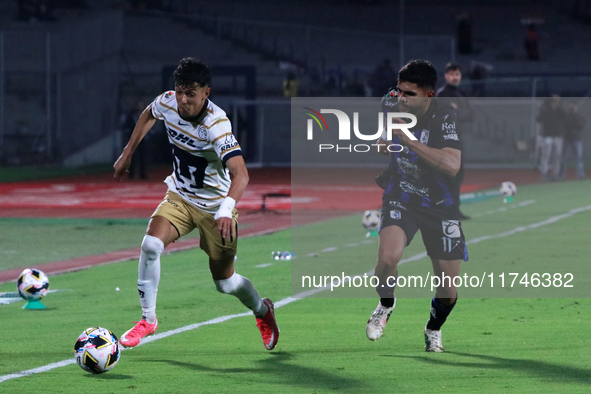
(420, 72)
(452, 67)
(190, 71)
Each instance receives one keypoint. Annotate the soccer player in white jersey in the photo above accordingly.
(209, 177)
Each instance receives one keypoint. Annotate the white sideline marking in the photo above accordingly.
(516, 230)
(504, 209)
(263, 265)
(165, 334)
(289, 300)
(33, 371)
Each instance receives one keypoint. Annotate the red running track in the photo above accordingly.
(315, 195)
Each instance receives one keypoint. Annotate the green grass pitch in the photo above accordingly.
(493, 345)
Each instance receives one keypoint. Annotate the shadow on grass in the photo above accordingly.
(108, 376)
(541, 369)
(286, 373)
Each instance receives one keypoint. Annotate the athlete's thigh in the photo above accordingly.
(211, 241)
(392, 244)
(162, 229)
(397, 228)
(443, 239)
(171, 220)
(397, 215)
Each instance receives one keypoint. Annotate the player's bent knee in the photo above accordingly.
(447, 295)
(152, 246)
(230, 285)
(389, 259)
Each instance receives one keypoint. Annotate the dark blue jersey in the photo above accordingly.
(416, 183)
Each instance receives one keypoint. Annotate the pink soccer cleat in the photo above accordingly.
(142, 329)
(268, 326)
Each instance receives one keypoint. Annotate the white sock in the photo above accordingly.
(240, 287)
(149, 276)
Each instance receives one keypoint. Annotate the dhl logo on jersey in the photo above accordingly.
(183, 139)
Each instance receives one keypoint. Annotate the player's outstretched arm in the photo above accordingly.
(239, 175)
(143, 125)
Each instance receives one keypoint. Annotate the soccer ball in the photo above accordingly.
(371, 220)
(32, 285)
(97, 350)
(508, 189)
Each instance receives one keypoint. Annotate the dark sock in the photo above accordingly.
(386, 294)
(439, 313)
(387, 302)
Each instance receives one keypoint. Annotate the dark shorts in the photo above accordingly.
(443, 239)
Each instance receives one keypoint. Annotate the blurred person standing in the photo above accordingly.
(532, 43)
(464, 33)
(459, 102)
(382, 78)
(552, 117)
(478, 73)
(290, 86)
(138, 161)
(573, 142)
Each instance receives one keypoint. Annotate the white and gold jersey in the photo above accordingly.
(200, 151)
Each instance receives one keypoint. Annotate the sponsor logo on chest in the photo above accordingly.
(449, 127)
(184, 139)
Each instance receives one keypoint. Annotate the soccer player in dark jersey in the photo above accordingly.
(421, 193)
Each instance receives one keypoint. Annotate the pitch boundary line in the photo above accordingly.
(291, 299)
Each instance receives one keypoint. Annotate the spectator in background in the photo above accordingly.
(478, 73)
(382, 78)
(459, 102)
(552, 117)
(138, 161)
(532, 43)
(574, 124)
(355, 87)
(464, 33)
(334, 83)
(290, 86)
